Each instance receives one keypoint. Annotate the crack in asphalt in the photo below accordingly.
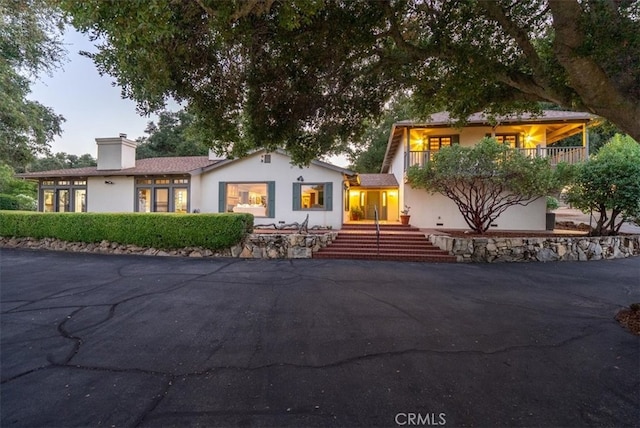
(155, 402)
(338, 363)
(62, 331)
(277, 289)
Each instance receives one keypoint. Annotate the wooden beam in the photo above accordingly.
(565, 131)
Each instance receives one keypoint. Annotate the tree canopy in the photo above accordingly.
(30, 44)
(173, 135)
(306, 75)
(367, 153)
(61, 160)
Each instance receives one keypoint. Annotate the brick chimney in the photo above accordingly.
(116, 153)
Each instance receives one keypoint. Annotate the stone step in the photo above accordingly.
(418, 246)
(398, 244)
(399, 227)
(345, 249)
(386, 238)
(437, 258)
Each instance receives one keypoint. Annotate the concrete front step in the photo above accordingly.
(437, 258)
(398, 227)
(348, 253)
(401, 243)
(385, 248)
(386, 238)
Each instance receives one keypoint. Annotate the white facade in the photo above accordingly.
(433, 211)
(110, 194)
(284, 178)
(436, 211)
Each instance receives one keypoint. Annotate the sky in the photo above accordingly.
(92, 106)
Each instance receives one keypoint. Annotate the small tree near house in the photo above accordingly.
(609, 185)
(486, 179)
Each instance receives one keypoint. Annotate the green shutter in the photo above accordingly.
(455, 139)
(328, 196)
(222, 196)
(271, 199)
(296, 197)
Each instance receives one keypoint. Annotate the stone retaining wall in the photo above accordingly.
(256, 245)
(545, 249)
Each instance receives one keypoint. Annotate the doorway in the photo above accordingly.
(374, 199)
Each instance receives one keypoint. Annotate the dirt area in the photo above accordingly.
(564, 228)
(630, 318)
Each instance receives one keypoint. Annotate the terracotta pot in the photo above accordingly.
(404, 219)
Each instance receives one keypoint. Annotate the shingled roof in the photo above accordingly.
(378, 180)
(150, 166)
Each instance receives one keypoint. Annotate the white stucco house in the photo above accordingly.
(414, 143)
(263, 184)
(276, 192)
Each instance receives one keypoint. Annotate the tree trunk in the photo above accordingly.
(596, 89)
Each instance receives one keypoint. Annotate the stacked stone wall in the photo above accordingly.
(540, 249)
(256, 245)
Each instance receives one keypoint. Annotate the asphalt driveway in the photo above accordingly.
(97, 340)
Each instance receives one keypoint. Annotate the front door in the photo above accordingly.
(372, 201)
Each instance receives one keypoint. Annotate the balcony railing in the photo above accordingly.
(570, 155)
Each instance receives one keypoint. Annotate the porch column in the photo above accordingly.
(585, 140)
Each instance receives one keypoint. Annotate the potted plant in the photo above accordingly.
(404, 215)
(357, 213)
(552, 204)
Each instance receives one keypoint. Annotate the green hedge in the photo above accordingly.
(213, 231)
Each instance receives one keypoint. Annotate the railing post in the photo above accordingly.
(538, 150)
(375, 216)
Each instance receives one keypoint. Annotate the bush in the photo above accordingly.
(8, 202)
(552, 203)
(213, 231)
(609, 185)
(26, 203)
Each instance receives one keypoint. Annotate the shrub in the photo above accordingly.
(552, 203)
(609, 185)
(213, 231)
(26, 203)
(8, 202)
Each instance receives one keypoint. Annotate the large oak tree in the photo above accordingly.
(306, 74)
(30, 44)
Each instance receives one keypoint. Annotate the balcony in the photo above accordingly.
(570, 155)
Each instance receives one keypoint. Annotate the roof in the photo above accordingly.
(444, 120)
(316, 162)
(378, 180)
(150, 166)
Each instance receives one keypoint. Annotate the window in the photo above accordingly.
(313, 196)
(512, 140)
(80, 200)
(180, 200)
(254, 198)
(162, 195)
(144, 200)
(63, 195)
(438, 142)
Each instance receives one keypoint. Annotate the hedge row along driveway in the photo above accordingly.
(167, 230)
